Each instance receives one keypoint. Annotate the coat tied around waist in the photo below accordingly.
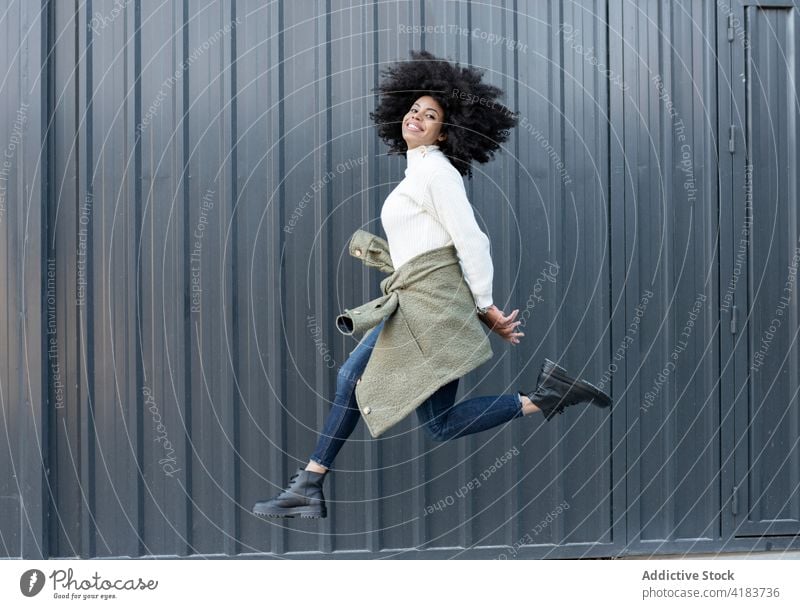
(432, 333)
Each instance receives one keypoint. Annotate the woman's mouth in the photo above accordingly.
(413, 127)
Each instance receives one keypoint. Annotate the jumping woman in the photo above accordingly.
(425, 331)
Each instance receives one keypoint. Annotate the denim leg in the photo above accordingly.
(445, 420)
(344, 413)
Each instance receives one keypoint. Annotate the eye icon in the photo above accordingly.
(31, 582)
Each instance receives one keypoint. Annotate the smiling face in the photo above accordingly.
(422, 124)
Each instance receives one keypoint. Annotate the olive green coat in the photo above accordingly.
(432, 333)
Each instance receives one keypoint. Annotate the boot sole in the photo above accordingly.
(602, 399)
(314, 513)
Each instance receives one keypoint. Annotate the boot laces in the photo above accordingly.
(292, 478)
(288, 490)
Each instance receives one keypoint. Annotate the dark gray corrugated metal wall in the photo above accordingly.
(204, 165)
(23, 394)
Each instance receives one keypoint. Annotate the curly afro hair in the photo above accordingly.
(475, 123)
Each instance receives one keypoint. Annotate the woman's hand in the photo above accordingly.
(497, 322)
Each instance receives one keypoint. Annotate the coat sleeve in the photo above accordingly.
(360, 319)
(371, 250)
(448, 199)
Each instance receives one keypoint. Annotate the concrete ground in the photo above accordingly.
(774, 555)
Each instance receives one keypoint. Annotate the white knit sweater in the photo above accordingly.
(429, 209)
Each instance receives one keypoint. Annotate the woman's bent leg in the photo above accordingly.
(344, 412)
(445, 420)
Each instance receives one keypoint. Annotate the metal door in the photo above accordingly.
(761, 297)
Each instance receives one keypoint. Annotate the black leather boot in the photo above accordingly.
(557, 390)
(303, 497)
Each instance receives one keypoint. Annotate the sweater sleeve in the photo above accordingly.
(448, 198)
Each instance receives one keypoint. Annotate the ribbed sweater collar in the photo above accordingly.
(418, 154)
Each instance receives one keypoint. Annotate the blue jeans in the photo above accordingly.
(439, 414)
